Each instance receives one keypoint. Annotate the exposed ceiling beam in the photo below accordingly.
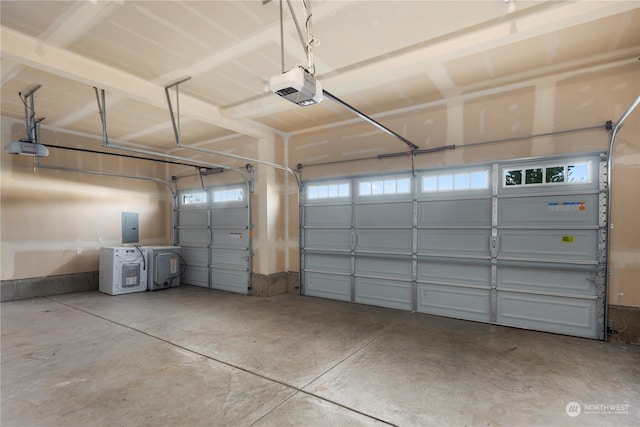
(504, 84)
(76, 22)
(554, 18)
(26, 50)
(245, 46)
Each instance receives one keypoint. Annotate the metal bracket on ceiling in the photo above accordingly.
(30, 121)
(175, 121)
(176, 129)
(102, 109)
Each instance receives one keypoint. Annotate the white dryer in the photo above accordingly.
(123, 270)
(164, 269)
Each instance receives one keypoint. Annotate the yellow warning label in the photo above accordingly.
(567, 239)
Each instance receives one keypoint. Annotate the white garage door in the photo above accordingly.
(514, 243)
(550, 246)
(213, 232)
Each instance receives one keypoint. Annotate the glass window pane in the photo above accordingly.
(480, 180)
(313, 192)
(343, 190)
(333, 190)
(554, 174)
(389, 186)
(376, 187)
(445, 182)
(461, 181)
(365, 188)
(429, 184)
(194, 198)
(533, 176)
(322, 191)
(513, 177)
(578, 173)
(404, 185)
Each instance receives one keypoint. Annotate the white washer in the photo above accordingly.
(123, 270)
(164, 268)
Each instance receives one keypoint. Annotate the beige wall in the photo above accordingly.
(557, 102)
(624, 283)
(268, 214)
(54, 222)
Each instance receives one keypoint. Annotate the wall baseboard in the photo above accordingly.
(624, 324)
(49, 285)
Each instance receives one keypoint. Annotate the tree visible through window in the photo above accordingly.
(569, 173)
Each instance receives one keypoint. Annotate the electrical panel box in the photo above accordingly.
(165, 267)
(130, 231)
(123, 270)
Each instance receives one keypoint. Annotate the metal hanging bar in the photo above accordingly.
(310, 40)
(281, 37)
(29, 113)
(370, 120)
(295, 21)
(176, 120)
(105, 141)
(103, 114)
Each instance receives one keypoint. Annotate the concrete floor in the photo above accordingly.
(196, 357)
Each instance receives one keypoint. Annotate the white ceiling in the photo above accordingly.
(379, 56)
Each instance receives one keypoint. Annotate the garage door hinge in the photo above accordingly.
(493, 246)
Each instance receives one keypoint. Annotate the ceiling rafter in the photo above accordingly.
(26, 50)
(557, 17)
(248, 45)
